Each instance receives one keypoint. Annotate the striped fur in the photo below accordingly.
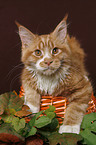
(55, 72)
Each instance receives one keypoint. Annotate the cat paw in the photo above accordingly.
(33, 108)
(69, 129)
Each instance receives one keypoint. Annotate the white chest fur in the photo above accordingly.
(47, 84)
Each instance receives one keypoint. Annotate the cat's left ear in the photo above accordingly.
(27, 37)
(60, 31)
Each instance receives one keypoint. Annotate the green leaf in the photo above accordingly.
(39, 113)
(93, 127)
(7, 133)
(4, 117)
(50, 109)
(56, 138)
(12, 111)
(9, 119)
(32, 131)
(18, 123)
(32, 121)
(87, 120)
(24, 131)
(53, 125)
(83, 142)
(42, 121)
(64, 139)
(72, 138)
(15, 102)
(51, 115)
(1, 122)
(4, 98)
(10, 101)
(89, 128)
(88, 136)
(44, 133)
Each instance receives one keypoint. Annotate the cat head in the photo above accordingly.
(45, 54)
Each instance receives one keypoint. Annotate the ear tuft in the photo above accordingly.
(61, 30)
(66, 17)
(18, 25)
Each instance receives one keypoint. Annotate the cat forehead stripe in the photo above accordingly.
(41, 44)
(46, 42)
(50, 44)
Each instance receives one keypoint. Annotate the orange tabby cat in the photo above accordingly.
(54, 65)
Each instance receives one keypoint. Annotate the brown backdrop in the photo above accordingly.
(41, 16)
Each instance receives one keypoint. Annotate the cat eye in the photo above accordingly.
(55, 51)
(38, 52)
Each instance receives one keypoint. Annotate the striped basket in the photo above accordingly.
(60, 104)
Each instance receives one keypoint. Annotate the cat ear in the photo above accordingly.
(60, 31)
(26, 36)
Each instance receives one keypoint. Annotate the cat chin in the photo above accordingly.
(48, 72)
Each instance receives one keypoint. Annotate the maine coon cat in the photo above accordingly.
(54, 65)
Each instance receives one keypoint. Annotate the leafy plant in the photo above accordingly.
(18, 124)
(88, 129)
(64, 139)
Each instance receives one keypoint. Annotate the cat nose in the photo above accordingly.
(48, 62)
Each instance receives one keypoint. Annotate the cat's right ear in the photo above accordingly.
(60, 31)
(27, 37)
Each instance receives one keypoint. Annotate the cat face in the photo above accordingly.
(45, 54)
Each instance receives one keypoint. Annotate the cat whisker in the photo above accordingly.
(13, 80)
(16, 45)
(72, 67)
(12, 70)
(78, 71)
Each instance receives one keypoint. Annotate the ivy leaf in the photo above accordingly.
(50, 112)
(87, 120)
(12, 111)
(10, 101)
(42, 121)
(24, 131)
(9, 119)
(39, 113)
(51, 115)
(72, 138)
(50, 109)
(64, 139)
(89, 137)
(7, 134)
(54, 123)
(1, 122)
(93, 126)
(22, 113)
(45, 133)
(18, 123)
(15, 102)
(56, 138)
(32, 121)
(32, 131)
(4, 98)
(25, 107)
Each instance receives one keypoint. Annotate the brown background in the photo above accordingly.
(41, 16)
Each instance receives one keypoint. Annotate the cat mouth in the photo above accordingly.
(49, 71)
